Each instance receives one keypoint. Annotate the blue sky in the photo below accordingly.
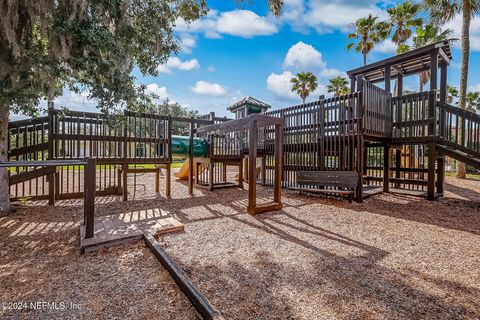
(240, 50)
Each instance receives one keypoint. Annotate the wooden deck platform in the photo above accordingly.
(121, 228)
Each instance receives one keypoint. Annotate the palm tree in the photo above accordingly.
(443, 11)
(304, 83)
(338, 86)
(472, 101)
(452, 92)
(426, 35)
(368, 32)
(402, 19)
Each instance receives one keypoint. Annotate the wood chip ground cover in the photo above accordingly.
(393, 257)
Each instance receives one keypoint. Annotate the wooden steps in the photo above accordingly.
(459, 155)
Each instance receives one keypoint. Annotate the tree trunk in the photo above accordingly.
(364, 59)
(5, 205)
(466, 17)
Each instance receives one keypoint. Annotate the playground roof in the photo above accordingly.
(248, 100)
(408, 63)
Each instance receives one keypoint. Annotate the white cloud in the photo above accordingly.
(176, 63)
(325, 16)
(456, 26)
(187, 44)
(245, 23)
(386, 46)
(331, 73)
(206, 25)
(240, 23)
(211, 68)
(207, 88)
(303, 55)
(474, 88)
(154, 88)
(280, 84)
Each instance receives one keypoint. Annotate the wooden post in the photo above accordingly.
(245, 169)
(211, 168)
(278, 154)
(399, 85)
(224, 172)
(50, 155)
(443, 97)
(352, 84)
(125, 181)
(398, 166)
(387, 78)
(119, 180)
(89, 197)
(168, 180)
(190, 159)
(440, 174)
(432, 98)
(264, 170)
(252, 156)
(157, 179)
(386, 167)
(431, 171)
(361, 169)
(240, 174)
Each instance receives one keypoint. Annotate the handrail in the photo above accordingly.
(459, 128)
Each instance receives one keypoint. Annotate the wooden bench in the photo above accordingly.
(342, 183)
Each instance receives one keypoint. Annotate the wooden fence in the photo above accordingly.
(321, 135)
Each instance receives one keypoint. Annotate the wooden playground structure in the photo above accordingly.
(394, 142)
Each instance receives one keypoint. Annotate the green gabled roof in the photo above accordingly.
(248, 101)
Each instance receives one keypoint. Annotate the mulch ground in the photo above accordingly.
(393, 256)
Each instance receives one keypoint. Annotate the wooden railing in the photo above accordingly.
(319, 135)
(132, 138)
(72, 135)
(459, 128)
(377, 111)
(412, 116)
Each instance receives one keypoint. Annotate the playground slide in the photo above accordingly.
(180, 149)
(184, 171)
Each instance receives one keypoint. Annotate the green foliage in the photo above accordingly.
(403, 19)
(452, 93)
(85, 45)
(368, 32)
(443, 11)
(338, 86)
(175, 110)
(303, 84)
(473, 101)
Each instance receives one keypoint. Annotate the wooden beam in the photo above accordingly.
(252, 157)
(431, 171)
(89, 197)
(190, 159)
(168, 178)
(196, 298)
(443, 97)
(444, 56)
(440, 174)
(387, 78)
(278, 155)
(386, 168)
